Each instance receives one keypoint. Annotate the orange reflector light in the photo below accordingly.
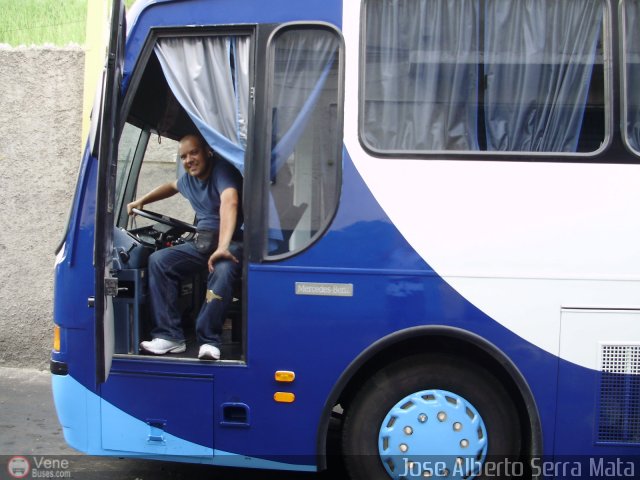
(285, 376)
(56, 338)
(284, 397)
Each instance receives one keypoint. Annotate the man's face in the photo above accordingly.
(194, 157)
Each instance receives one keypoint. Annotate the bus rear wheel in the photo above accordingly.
(429, 416)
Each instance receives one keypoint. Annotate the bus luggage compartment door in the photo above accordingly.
(158, 413)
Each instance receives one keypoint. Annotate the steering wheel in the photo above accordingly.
(172, 222)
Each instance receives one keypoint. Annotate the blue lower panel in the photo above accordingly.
(167, 401)
(95, 426)
(77, 408)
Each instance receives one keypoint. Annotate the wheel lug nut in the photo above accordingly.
(408, 430)
(422, 417)
(404, 447)
(442, 416)
(464, 443)
(457, 426)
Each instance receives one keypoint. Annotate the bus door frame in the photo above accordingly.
(106, 285)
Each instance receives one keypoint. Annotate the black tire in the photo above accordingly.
(413, 374)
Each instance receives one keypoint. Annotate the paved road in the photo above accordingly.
(29, 428)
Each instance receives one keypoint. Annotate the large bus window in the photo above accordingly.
(305, 140)
(483, 75)
(632, 72)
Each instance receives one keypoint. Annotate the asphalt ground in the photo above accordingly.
(32, 444)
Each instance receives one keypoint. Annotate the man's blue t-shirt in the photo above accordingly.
(204, 196)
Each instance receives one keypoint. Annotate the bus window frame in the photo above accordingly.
(266, 146)
(129, 188)
(484, 155)
(107, 141)
(624, 85)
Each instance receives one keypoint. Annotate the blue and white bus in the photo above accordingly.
(441, 233)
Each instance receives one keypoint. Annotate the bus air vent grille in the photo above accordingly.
(619, 402)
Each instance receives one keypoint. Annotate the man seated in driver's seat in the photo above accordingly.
(213, 187)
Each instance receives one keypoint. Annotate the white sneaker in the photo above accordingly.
(160, 346)
(209, 352)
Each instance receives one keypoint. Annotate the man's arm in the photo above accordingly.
(165, 190)
(228, 217)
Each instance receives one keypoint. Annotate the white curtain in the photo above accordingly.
(421, 74)
(632, 50)
(303, 61)
(510, 75)
(305, 79)
(539, 57)
(209, 76)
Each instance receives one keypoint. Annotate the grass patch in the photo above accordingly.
(36, 22)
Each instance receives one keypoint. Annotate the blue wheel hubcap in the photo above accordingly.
(433, 433)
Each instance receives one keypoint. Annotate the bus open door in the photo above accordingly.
(106, 145)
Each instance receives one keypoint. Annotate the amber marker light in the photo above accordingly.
(285, 376)
(284, 397)
(56, 338)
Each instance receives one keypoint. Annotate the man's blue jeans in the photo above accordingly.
(167, 268)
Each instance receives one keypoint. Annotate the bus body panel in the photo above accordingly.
(414, 243)
(403, 293)
(577, 209)
(72, 289)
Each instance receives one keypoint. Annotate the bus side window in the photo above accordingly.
(496, 75)
(305, 147)
(632, 73)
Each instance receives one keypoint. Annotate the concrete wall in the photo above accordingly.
(40, 149)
